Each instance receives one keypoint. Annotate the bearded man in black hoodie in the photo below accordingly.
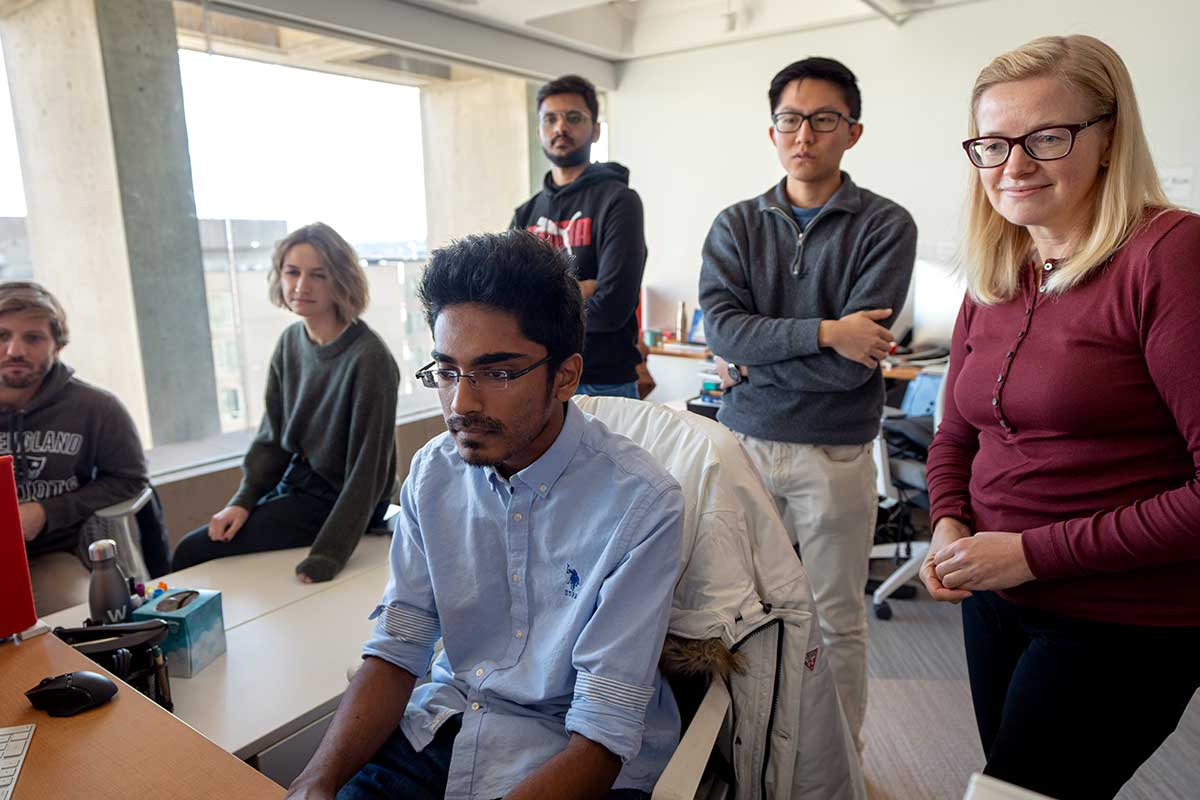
(590, 211)
(75, 449)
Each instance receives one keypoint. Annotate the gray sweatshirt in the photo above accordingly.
(334, 405)
(75, 450)
(765, 286)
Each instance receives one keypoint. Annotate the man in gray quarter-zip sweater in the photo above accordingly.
(797, 286)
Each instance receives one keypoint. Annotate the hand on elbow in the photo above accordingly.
(858, 337)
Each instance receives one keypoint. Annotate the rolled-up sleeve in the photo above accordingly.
(616, 655)
(406, 620)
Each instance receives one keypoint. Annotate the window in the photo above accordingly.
(15, 262)
(275, 147)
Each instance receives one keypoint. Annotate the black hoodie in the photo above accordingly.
(597, 219)
(75, 450)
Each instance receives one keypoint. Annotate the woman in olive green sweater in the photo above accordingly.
(323, 465)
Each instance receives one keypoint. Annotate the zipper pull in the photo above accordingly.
(799, 250)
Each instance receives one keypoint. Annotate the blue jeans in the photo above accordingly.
(609, 389)
(399, 771)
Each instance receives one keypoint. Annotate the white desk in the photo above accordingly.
(287, 644)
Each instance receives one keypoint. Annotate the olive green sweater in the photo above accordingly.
(334, 405)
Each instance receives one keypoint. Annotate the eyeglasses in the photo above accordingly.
(821, 121)
(1044, 144)
(550, 118)
(485, 379)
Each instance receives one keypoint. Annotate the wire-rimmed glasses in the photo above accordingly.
(485, 379)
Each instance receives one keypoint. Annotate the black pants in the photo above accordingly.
(291, 515)
(1068, 707)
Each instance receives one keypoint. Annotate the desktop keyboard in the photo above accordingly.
(13, 744)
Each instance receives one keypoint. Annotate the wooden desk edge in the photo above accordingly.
(129, 739)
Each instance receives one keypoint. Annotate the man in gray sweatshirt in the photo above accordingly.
(797, 286)
(75, 449)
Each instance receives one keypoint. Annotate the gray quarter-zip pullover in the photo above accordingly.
(765, 286)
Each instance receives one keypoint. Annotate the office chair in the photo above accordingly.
(911, 474)
(772, 725)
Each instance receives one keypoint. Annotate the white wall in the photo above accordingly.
(692, 127)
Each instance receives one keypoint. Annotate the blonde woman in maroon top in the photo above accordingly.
(1063, 477)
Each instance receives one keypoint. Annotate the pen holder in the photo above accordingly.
(197, 628)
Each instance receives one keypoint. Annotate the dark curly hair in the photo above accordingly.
(514, 271)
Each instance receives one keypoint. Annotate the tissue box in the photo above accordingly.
(197, 628)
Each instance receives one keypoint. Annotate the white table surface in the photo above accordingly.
(287, 643)
(283, 670)
(255, 584)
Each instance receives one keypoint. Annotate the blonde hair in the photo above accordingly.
(347, 280)
(996, 250)
(27, 297)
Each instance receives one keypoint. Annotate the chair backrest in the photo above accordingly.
(731, 522)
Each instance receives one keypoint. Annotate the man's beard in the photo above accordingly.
(580, 155)
(32, 377)
(513, 440)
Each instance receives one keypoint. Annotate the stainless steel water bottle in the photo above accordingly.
(108, 595)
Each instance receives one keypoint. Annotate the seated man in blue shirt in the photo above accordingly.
(540, 547)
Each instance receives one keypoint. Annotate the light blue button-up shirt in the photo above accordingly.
(551, 593)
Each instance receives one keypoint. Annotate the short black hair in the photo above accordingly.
(514, 271)
(821, 69)
(572, 84)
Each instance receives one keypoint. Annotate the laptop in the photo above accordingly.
(17, 613)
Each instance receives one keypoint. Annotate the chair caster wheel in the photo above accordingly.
(883, 610)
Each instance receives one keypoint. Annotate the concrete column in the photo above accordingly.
(98, 106)
(476, 141)
(539, 165)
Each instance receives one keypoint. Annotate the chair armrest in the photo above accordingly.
(128, 507)
(684, 771)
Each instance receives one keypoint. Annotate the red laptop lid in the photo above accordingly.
(16, 593)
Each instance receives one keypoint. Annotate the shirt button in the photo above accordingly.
(479, 672)
(543, 488)
(1028, 311)
(1009, 354)
(1047, 266)
(520, 634)
(995, 401)
(474, 706)
(517, 517)
(516, 578)
(1043, 289)
(1000, 377)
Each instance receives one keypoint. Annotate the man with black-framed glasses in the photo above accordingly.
(540, 547)
(589, 211)
(797, 287)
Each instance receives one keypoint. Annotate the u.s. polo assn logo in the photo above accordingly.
(573, 582)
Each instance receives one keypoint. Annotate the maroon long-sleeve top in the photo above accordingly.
(1074, 419)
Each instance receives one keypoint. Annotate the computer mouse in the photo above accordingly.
(66, 695)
